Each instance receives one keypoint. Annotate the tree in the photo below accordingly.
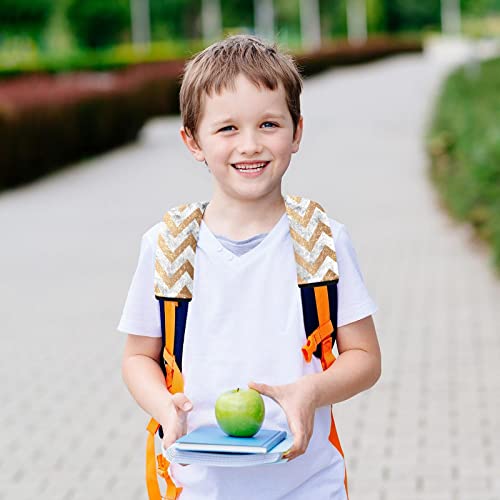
(237, 13)
(98, 23)
(24, 16)
(412, 15)
(175, 19)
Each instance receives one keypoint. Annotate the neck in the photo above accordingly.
(241, 219)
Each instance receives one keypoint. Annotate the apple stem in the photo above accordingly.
(237, 390)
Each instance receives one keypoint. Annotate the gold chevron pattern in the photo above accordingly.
(310, 231)
(312, 238)
(175, 251)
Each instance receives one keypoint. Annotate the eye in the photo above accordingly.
(269, 125)
(227, 128)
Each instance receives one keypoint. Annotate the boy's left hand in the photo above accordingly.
(297, 402)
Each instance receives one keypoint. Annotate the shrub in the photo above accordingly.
(49, 121)
(464, 144)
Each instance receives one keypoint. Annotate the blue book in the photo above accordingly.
(210, 438)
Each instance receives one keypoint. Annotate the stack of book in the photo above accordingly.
(208, 445)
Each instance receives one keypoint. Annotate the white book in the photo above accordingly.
(273, 456)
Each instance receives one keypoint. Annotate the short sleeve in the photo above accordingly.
(140, 314)
(354, 301)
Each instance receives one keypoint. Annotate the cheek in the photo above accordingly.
(217, 150)
(283, 148)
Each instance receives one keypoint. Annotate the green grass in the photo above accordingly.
(464, 145)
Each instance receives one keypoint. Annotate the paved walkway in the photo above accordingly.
(429, 430)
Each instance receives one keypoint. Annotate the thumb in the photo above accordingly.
(264, 389)
(182, 402)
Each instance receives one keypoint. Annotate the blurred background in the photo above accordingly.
(401, 143)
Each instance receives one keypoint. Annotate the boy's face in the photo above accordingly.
(248, 127)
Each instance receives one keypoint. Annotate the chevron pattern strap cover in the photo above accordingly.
(175, 251)
(312, 238)
(310, 230)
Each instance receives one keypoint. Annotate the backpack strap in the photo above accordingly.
(174, 383)
(175, 252)
(173, 286)
(317, 277)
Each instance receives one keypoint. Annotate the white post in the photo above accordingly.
(357, 30)
(310, 25)
(141, 29)
(211, 20)
(264, 19)
(451, 18)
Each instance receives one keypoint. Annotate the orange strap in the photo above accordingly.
(151, 471)
(173, 378)
(323, 332)
(175, 383)
(327, 358)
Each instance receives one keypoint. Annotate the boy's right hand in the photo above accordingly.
(174, 423)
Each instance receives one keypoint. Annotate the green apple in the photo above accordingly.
(240, 412)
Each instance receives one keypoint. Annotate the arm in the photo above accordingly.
(142, 375)
(356, 369)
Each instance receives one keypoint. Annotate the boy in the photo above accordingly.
(240, 104)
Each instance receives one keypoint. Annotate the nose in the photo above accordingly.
(249, 143)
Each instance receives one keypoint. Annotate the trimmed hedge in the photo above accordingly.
(464, 147)
(48, 121)
(344, 54)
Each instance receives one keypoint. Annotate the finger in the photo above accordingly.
(169, 438)
(264, 389)
(299, 445)
(295, 451)
(182, 402)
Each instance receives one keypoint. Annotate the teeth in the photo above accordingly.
(253, 167)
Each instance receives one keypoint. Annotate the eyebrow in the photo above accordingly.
(266, 116)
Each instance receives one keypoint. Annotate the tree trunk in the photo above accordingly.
(450, 17)
(356, 21)
(141, 23)
(264, 19)
(211, 20)
(310, 24)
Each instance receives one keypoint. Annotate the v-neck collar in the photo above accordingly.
(208, 241)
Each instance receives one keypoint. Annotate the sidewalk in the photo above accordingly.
(428, 430)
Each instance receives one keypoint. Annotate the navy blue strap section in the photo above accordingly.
(161, 304)
(180, 327)
(310, 311)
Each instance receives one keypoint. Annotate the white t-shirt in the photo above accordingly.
(245, 324)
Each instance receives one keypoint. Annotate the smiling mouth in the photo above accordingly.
(250, 167)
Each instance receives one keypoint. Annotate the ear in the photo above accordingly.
(191, 144)
(298, 135)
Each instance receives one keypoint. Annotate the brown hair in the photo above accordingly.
(217, 67)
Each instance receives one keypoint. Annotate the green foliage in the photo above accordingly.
(116, 57)
(408, 15)
(24, 17)
(98, 23)
(464, 144)
(175, 19)
(334, 13)
(22, 13)
(237, 13)
(480, 7)
(375, 16)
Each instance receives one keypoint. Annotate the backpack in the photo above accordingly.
(317, 277)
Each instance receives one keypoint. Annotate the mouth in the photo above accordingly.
(253, 166)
